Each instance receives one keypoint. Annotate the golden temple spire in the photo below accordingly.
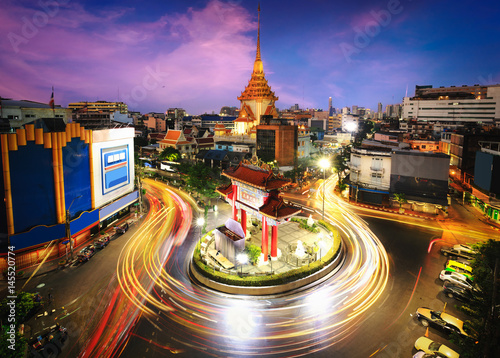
(258, 34)
(257, 87)
(258, 67)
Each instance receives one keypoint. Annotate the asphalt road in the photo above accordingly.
(364, 311)
(310, 323)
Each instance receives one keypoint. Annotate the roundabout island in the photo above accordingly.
(234, 258)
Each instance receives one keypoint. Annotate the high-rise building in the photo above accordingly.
(454, 104)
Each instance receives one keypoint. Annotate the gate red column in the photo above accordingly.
(274, 242)
(264, 238)
(235, 211)
(244, 221)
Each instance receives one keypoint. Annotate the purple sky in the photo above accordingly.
(198, 55)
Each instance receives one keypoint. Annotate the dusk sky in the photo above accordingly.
(198, 55)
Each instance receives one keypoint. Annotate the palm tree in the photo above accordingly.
(400, 198)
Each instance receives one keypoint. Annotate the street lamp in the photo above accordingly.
(68, 228)
(324, 164)
(200, 222)
(242, 260)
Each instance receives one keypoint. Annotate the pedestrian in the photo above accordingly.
(50, 297)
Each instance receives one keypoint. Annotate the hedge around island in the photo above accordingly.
(275, 279)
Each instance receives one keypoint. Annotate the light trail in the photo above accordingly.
(153, 284)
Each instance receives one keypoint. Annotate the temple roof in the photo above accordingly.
(277, 209)
(256, 177)
(225, 190)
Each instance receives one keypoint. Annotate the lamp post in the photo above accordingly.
(200, 222)
(324, 164)
(242, 260)
(68, 228)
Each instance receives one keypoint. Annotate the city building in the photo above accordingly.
(276, 140)
(487, 169)
(422, 177)
(454, 104)
(93, 120)
(380, 170)
(19, 113)
(463, 148)
(350, 122)
(67, 180)
(99, 107)
(304, 142)
(370, 174)
(229, 111)
(177, 140)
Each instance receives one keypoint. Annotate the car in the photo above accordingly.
(83, 256)
(102, 242)
(457, 292)
(460, 267)
(429, 346)
(456, 278)
(441, 320)
(86, 253)
(122, 229)
(459, 250)
(90, 249)
(422, 354)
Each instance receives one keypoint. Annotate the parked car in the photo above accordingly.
(456, 278)
(102, 242)
(457, 292)
(459, 250)
(122, 229)
(441, 320)
(86, 253)
(83, 256)
(460, 267)
(422, 354)
(429, 346)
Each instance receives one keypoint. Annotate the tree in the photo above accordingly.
(339, 166)
(171, 154)
(400, 198)
(201, 179)
(19, 345)
(483, 308)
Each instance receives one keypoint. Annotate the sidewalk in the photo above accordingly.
(415, 214)
(53, 265)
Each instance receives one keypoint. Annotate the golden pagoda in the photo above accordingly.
(257, 99)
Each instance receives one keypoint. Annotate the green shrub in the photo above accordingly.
(253, 252)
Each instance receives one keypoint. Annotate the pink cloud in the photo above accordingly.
(194, 58)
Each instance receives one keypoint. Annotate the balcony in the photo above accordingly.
(354, 167)
(377, 170)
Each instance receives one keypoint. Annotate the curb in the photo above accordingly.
(331, 269)
(395, 212)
